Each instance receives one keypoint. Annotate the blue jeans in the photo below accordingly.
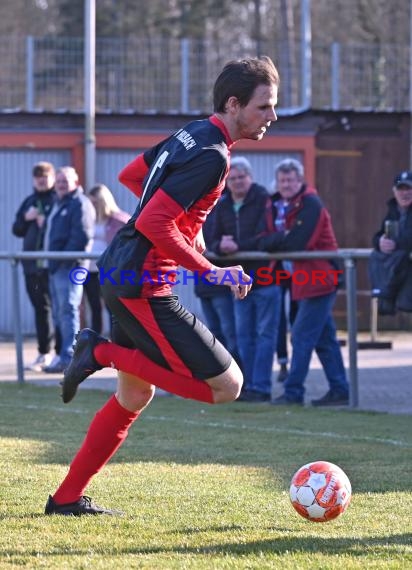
(66, 298)
(257, 322)
(314, 329)
(286, 318)
(220, 318)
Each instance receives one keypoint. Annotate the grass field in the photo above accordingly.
(203, 487)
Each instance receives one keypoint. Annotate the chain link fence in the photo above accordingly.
(166, 75)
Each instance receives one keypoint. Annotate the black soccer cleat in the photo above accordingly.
(82, 364)
(84, 506)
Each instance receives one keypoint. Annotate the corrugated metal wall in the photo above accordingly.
(16, 183)
(15, 168)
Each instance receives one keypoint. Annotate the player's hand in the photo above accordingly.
(234, 277)
(199, 242)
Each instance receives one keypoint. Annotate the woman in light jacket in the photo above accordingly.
(109, 219)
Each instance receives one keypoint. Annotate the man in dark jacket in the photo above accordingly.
(70, 227)
(236, 219)
(394, 241)
(29, 224)
(314, 283)
(218, 303)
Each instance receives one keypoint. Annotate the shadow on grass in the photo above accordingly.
(280, 545)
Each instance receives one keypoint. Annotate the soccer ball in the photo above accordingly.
(320, 491)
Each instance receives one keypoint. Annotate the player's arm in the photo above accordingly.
(157, 221)
(133, 174)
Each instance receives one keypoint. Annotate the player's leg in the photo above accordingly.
(226, 386)
(106, 433)
(172, 350)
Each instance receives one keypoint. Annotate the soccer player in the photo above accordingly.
(155, 340)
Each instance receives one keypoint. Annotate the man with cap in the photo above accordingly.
(29, 224)
(391, 274)
(400, 212)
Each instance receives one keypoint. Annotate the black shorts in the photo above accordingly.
(168, 334)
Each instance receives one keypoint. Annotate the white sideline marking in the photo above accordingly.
(225, 425)
(305, 433)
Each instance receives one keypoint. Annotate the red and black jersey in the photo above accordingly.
(178, 182)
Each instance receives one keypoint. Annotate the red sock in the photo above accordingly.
(106, 433)
(135, 362)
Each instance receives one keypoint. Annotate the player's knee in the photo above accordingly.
(135, 397)
(229, 386)
(226, 394)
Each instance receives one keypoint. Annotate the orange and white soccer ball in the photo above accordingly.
(320, 491)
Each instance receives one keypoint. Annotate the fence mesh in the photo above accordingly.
(169, 76)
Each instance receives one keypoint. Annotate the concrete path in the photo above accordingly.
(385, 375)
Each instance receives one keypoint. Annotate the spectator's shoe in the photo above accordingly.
(56, 366)
(39, 363)
(332, 399)
(283, 373)
(82, 364)
(84, 506)
(285, 401)
(252, 396)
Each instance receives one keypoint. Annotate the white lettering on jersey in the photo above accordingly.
(157, 165)
(185, 138)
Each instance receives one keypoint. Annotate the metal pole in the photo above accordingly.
(335, 74)
(306, 53)
(258, 29)
(29, 73)
(374, 319)
(185, 83)
(17, 321)
(350, 278)
(410, 84)
(89, 92)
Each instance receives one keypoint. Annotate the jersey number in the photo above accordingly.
(157, 165)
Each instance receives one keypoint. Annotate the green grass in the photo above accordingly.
(202, 487)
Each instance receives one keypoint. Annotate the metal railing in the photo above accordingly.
(169, 75)
(348, 256)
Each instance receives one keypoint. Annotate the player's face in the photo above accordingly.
(252, 120)
(288, 184)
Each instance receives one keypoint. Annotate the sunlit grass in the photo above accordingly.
(202, 487)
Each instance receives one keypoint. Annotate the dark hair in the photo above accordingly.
(239, 78)
(43, 169)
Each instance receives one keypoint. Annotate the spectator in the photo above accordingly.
(109, 219)
(70, 227)
(309, 227)
(390, 264)
(218, 303)
(237, 216)
(288, 307)
(30, 225)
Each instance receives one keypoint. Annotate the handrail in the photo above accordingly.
(349, 257)
(357, 253)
